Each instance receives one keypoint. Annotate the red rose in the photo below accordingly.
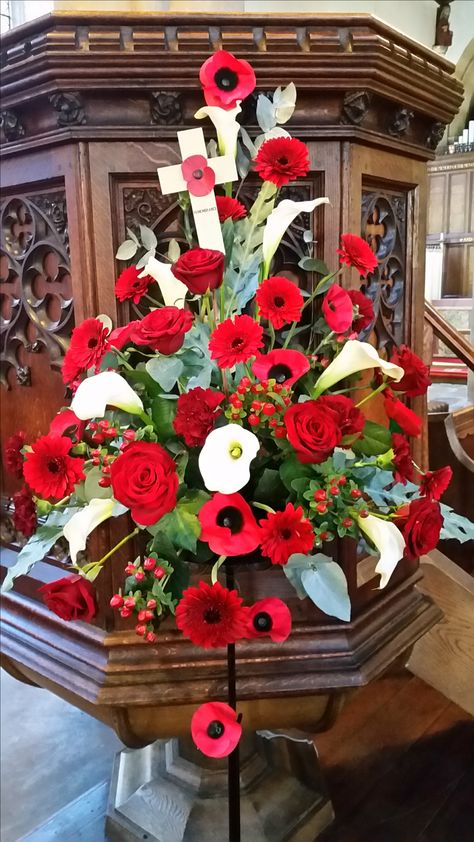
(226, 79)
(163, 330)
(120, 336)
(12, 454)
(420, 526)
(313, 430)
(416, 379)
(365, 310)
(282, 159)
(337, 309)
(402, 459)
(144, 478)
(351, 420)
(24, 516)
(200, 269)
(434, 483)
(229, 208)
(71, 598)
(357, 253)
(407, 420)
(196, 414)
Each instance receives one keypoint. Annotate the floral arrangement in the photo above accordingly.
(227, 422)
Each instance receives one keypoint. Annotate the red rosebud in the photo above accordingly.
(200, 269)
(151, 604)
(149, 563)
(71, 598)
(163, 330)
(140, 629)
(159, 572)
(129, 602)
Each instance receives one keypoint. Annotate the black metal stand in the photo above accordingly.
(234, 758)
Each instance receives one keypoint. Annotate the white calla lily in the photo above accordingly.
(279, 220)
(225, 124)
(355, 356)
(101, 390)
(79, 527)
(389, 541)
(172, 289)
(225, 458)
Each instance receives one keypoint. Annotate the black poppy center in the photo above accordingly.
(54, 466)
(279, 301)
(226, 79)
(92, 342)
(215, 729)
(262, 622)
(212, 616)
(198, 174)
(283, 160)
(231, 518)
(280, 373)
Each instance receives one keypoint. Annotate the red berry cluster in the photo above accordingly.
(335, 501)
(103, 432)
(143, 597)
(263, 404)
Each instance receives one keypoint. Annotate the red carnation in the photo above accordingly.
(197, 412)
(226, 79)
(280, 301)
(89, 343)
(200, 269)
(144, 478)
(229, 208)
(24, 515)
(283, 365)
(365, 310)
(215, 729)
(71, 598)
(351, 420)
(313, 429)
(66, 423)
(337, 309)
(285, 533)
(282, 159)
(228, 525)
(211, 616)
(407, 420)
(434, 483)
(163, 330)
(129, 284)
(12, 454)
(416, 378)
(402, 459)
(49, 470)
(420, 525)
(269, 617)
(357, 253)
(235, 341)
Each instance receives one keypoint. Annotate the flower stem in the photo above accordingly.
(372, 394)
(113, 550)
(271, 331)
(290, 334)
(146, 419)
(264, 507)
(216, 567)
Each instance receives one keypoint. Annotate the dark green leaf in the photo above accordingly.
(228, 237)
(312, 264)
(292, 469)
(163, 413)
(179, 579)
(162, 545)
(269, 487)
(375, 439)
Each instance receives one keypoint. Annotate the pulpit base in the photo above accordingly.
(170, 792)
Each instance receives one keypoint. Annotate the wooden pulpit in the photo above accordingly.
(91, 106)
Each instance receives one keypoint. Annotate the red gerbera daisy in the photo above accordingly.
(337, 309)
(282, 159)
(215, 729)
(229, 208)
(211, 616)
(283, 365)
(285, 533)
(228, 525)
(49, 470)
(129, 284)
(24, 515)
(89, 343)
(12, 454)
(357, 253)
(270, 617)
(280, 301)
(235, 341)
(434, 483)
(365, 310)
(402, 459)
(226, 79)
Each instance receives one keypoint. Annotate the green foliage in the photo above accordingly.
(182, 524)
(165, 370)
(375, 439)
(312, 264)
(292, 469)
(163, 413)
(269, 489)
(320, 578)
(92, 489)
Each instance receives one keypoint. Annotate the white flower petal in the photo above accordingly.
(279, 220)
(172, 290)
(105, 389)
(221, 469)
(389, 541)
(355, 356)
(277, 131)
(84, 522)
(225, 124)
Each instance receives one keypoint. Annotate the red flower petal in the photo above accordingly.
(285, 533)
(215, 730)
(229, 208)
(235, 341)
(269, 617)
(407, 420)
(280, 301)
(402, 459)
(228, 525)
(211, 616)
(49, 470)
(337, 309)
(226, 79)
(365, 308)
(356, 252)
(12, 455)
(197, 412)
(89, 343)
(416, 379)
(282, 159)
(129, 285)
(434, 483)
(283, 365)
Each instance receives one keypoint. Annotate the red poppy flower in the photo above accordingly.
(226, 79)
(211, 616)
(12, 455)
(66, 423)
(235, 341)
(197, 412)
(229, 208)
(434, 483)
(280, 301)
(200, 178)
(283, 365)
(282, 159)
(228, 525)
(49, 470)
(24, 515)
(351, 420)
(285, 533)
(416, 378)
(269, 617)
(337, 309)
(215, 730)
(365, 310)
(129, 284)
(356, 252)
(407, 420)
(163, 330)
(402, 459)
(89, 343)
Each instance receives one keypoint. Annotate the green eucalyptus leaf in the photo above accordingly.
(126, 250)
(148, 238)
(92, 489)
(165, 370)
(312, 264)
(326, 586)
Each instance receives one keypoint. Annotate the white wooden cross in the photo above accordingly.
(172, 180)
